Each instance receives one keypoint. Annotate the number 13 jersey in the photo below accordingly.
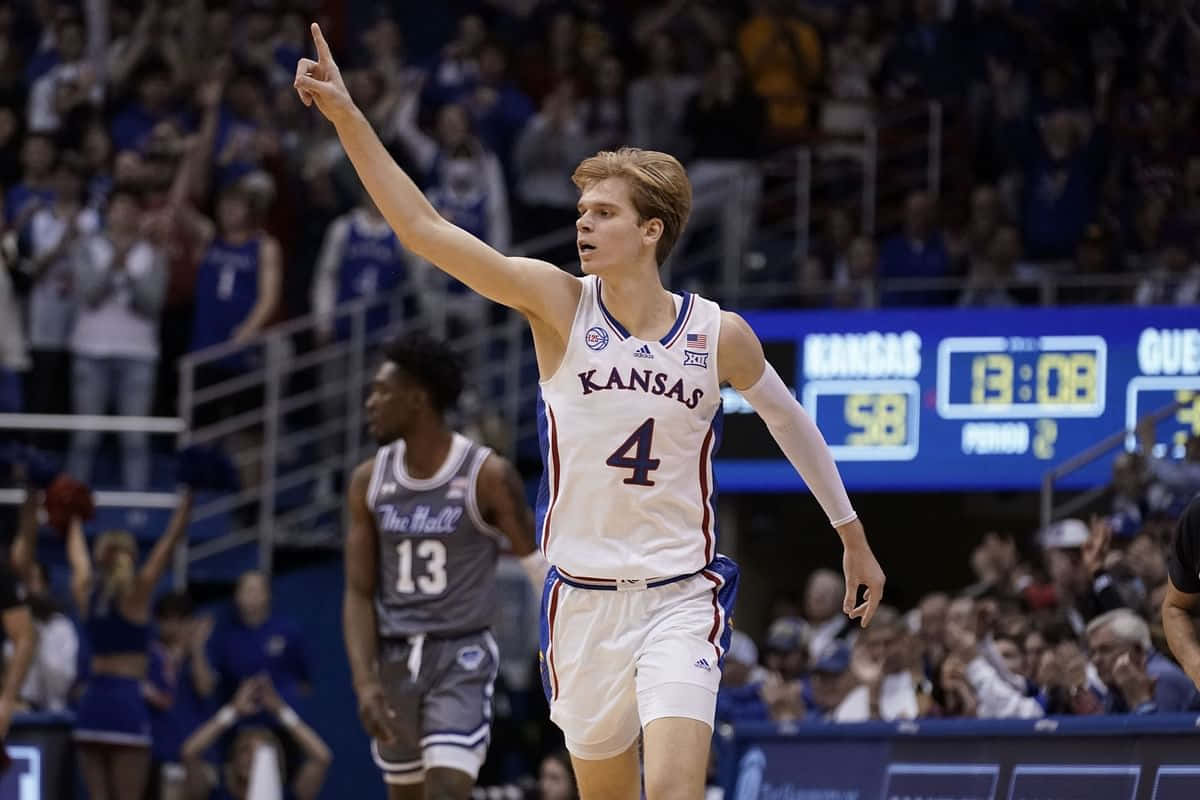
(437, 555)
(628, 429)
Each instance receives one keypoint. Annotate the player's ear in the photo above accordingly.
(652, 230)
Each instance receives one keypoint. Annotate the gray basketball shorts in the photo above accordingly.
(441, 692)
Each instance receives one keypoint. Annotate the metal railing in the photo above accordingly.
(104, 424)
(1123, 439)
(303, 434)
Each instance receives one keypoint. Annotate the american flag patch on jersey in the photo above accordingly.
(697, 341)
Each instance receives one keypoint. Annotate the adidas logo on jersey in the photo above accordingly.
(643, 352)
(703, 664)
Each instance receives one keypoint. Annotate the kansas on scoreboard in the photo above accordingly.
(955, 399)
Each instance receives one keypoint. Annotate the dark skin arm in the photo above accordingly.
(358, 608)
(1178, 624)
(503, 505)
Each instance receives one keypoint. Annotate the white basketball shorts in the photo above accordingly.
(616, 655)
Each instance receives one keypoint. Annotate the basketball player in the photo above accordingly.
(1183, 592)
(428, 517)
(636, 606)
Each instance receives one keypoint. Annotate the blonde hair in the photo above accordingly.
(658, 186)
(118, 573)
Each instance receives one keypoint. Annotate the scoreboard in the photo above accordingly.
(968, 399)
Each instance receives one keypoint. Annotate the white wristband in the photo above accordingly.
(288, 717)
(227, 716)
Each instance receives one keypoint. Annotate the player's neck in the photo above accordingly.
(426, 449)
(641, 304)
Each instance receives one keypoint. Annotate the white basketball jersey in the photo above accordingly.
(628, 429)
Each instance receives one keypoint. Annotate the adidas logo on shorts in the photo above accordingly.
(703, 664)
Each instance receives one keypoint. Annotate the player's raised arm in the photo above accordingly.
(531, 286)
(743, 366)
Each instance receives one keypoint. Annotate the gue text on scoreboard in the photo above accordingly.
(1169, 366)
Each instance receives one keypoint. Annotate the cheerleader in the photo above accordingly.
(113, 595)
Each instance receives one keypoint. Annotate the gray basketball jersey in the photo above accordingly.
(437, 557)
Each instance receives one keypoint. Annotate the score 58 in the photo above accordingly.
(876, 420)
(867, 420)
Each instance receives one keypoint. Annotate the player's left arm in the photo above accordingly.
(502, 502)
(741, 364)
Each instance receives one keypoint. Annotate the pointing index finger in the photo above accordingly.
(323, 53)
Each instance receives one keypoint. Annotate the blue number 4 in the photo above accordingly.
(641, 463)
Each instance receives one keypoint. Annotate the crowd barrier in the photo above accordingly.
(1072, 758)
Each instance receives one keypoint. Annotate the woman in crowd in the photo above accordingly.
(112, 731)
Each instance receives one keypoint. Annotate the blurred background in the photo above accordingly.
(968, 232)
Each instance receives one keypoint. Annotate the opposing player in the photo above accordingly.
(1183, 592)
(636, 607)
(428, 516)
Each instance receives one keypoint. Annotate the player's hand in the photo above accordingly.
(321, 81)
(376, 714)
(861, 569)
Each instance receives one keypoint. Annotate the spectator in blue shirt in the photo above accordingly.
(1061, 185)
(498, 106)
(919, 251)
(1140, 679)
(180, 684)
(133, 124)
(258, 640)
(36, 187)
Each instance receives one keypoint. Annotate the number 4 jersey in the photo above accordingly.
(437, 556)
(628, 430)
